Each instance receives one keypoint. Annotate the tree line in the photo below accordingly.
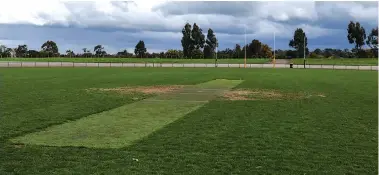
(196, 45)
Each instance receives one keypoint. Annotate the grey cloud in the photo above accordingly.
(346, 11)
(117, 26)
(234, 8)
(281, 11)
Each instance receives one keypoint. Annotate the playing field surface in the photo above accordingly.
(122, 126)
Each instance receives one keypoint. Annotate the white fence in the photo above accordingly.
(194, 65)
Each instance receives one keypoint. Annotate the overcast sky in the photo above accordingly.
(119, 25)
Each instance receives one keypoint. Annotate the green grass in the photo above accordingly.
(138, 60)
(122, 126)
(332, 135)
(339, 61)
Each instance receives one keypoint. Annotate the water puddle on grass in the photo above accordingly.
(124, 125)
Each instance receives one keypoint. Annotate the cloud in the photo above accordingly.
(119, 25)
(360, 11)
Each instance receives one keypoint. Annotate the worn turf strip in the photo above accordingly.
(122, 126)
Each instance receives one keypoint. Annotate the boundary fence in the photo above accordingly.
(194, 65)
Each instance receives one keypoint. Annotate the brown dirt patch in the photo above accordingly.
(252, 95)
(142, 89)
(264, 94)
(237, 95)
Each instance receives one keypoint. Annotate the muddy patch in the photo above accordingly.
(140, 89)
(264, 94)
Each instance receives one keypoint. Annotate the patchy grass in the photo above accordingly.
(140, 60)
(121, 126)
(339, 61)
(265, 94)
(140, 89)
(336, 134)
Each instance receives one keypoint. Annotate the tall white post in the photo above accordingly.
(274, 50)
(216, 52)
(274, 45)
(216, 55)
(304, 49)
(304, 46)
(245, 47)
(245, 42)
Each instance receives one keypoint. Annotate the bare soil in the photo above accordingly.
(142, 89)
(241, 94)
(264, 94)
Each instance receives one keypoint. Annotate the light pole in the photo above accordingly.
(216, 54)
(304, 49)
(274, 50)
(245, 47)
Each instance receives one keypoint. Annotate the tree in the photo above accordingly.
(208, 52)
(187, 41)
(162, 55)
(33, 54)
(87, 52)
(50, 48)
(21, 50)
(299, 42)
(171, 53)
(356, 34)
(140, 49)
(328, 52)
(255, 48)
(197, 53)
(237, 51)
(317, 51)
(197, 36)
(2, 51)
(211, 44)
(70, 53)
(8, 52)
(291, 54)
(99, 51)
(372, 41)
(265, 51)
(313, 55)
(124, 54)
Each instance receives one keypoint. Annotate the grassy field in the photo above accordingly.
(137, 60)
(341, 61)
(334, 134)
